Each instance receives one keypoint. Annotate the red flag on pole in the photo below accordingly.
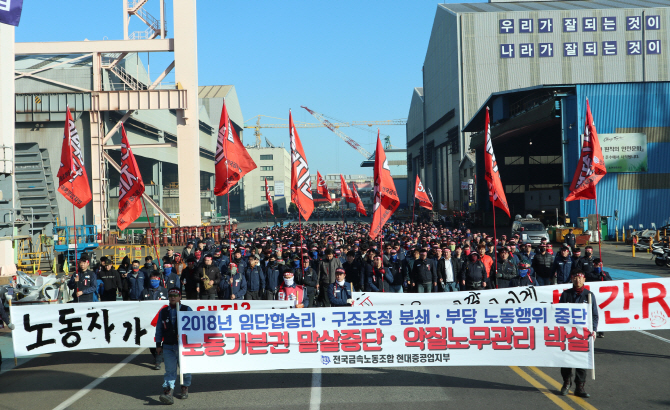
(360, 208)
(421, 195)
(232, 161)
(386, 198)
(72, 176)
(346, 192)
(591, 166)
(322, 187)
(492, 176)
(131, 186)
(268, 197)
(301, 185)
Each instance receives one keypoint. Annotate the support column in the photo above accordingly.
(126, 19)
(157, 177)
(188, 141)
(7, 119)
(98, 177)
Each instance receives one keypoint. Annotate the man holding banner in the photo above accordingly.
(167, 343)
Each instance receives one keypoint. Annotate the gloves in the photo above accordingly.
(11, 326)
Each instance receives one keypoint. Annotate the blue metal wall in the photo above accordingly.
(614, 106)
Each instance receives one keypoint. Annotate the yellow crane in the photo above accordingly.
(325, 123)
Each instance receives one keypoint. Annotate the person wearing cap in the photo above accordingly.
(111, 280)
(188, 250)
(487, 261)
(210, 277)
(473, 274)
(327, 269)
(576, 255)
(149, 266)
(526, 251)
(220, 260)
(169, 256)
(190, 280)
(233, 285)
(308, 278)
(239, 260)
(255, 279)
(379, 278)
(394, 265)
(560, 269)
(526, 277)
(167, 345)
(506, 269)
(542, 265)
(169, 276)
(586, 264)
(423, 275)
(578, 294)
(570, 239)
(83, 282)
(339, 292)
(289, 290)
(155, 291)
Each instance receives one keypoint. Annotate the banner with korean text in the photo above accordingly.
(76, 326)
(426, 335)
(639, 304)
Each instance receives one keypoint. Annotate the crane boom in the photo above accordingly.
(340, 134)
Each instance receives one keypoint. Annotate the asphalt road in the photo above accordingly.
(632, 370)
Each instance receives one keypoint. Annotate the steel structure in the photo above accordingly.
(137, 96)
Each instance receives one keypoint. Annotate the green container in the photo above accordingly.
(552, 233)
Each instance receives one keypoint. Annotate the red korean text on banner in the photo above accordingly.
(232, 161)
(131, 186)
(346, 192)
(421, 195)
(322, 187)
(492, 176)
(72, 176)
(360, 208)
(591, 166)
(268, 197)
(385, 196)
(301, 186)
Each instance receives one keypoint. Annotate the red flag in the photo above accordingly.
(301, 185)
(131, 186)
(269, 198)
(492, 176)
(322, 187)
(346, 192)
(591, 166)
(421, 195)
(72, 176)
(360, 208)
(232, 161)
(386, 198)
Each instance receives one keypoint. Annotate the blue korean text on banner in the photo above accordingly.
(10, 11)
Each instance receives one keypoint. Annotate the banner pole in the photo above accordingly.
(495, 241)
(230, 246)
(9, 300)
(76, 262)
(413, 206)
(600, 239)
(153, 241)
(593, 345)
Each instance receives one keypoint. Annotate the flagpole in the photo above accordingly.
(600, 239)
(413, 206)
(495, 240)
(153, 241)
(230, 245)
(76, 262)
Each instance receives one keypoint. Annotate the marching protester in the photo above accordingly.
(562, 266)
(136, 280)
(190, 280)
(289, 290)
(327, 274)
(83, 282)
(167, 339)
(506, 271)
(4, 318)
(423, 274)
(233, 285)
(578, 294)
(155, 291)
(111, 280)
(542, 263)
(209, 276)
(339, 292)
(255, 279)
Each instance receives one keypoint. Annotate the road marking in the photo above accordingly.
(557, 400)
(581, 402)
(315, 399)
(92, 385)
(654, 336)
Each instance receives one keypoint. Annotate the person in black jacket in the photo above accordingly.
(379, 278)
(578, 294)
(83, 282)
(541, 264)
(506, 269)
(473, 274)
(209, 286)
(111, 280)
(423, 274)
(447, 272)
(123, 270)
(394, 265)
(255, 279)
(525, 277)
(308, 279)
(167, 344)
(339, 292)
(586, 265)
(570, 239)
(353, 269)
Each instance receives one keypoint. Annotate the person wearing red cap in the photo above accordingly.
(289, 290)
(339, 292)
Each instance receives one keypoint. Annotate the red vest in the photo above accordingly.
(285, 293)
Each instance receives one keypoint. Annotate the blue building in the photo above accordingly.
(536, 137)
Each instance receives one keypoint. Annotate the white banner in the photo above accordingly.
(76, 326)
(426, 335)
(638, 304)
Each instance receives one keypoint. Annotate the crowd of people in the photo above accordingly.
(321, 265)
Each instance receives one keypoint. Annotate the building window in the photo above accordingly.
(264, 199)
(513, 160)
(430, 151)
(270, 188)
(514, 189)
(421, 157)
(267, 168)
(409, 162)
(266, 157)
(544, 159)
(269, 178)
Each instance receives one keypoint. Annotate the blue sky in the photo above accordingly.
(351, 60)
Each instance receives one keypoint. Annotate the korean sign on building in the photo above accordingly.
(624, 152)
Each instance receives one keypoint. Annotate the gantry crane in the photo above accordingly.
(324, 122)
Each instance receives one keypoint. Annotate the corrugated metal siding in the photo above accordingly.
(555, 5)
(654, 134)
(640, 198)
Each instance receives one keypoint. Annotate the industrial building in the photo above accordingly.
(534, 64)
(273, 164)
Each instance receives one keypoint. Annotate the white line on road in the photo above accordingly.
(315, 400)
(92, 385)
(655, 336)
